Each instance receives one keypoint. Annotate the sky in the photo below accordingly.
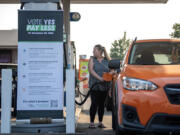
(105, 23)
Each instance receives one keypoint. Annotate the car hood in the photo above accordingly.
(151, 72)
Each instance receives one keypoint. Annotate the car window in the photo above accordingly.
(155, 53)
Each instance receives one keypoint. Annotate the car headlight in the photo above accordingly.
(137, 84)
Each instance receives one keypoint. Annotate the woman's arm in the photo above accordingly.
(92, 72)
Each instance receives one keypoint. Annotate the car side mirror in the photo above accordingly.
(114, 64)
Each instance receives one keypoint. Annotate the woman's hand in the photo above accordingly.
(101, 79)
(112, 72)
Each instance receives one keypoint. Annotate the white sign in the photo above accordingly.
(40, 76)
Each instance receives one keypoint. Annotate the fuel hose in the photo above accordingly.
(89, 92)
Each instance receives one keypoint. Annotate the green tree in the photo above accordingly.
(176, 33)
(119, 47)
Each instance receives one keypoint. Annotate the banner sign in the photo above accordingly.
(83, 72)
(40, 26)
(40, 64)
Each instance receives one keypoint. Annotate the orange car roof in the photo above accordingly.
(158, 40)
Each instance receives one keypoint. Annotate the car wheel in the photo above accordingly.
(108, 103)
(113, 112)
(113, 119)
(118, 131)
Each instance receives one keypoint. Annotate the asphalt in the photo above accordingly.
(83, 124)
(82, 127)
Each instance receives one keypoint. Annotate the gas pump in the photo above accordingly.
(40, 66)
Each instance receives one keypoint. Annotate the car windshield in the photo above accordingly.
(155, 53)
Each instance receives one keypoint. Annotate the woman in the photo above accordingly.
(97, 66)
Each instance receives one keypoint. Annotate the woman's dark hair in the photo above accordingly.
(103, 51)
(99, 47)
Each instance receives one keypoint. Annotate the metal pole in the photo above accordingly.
(6, 100)
(66, 8)
(70, 103)
(70, 73)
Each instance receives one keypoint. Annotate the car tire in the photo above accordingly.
(117, 130)
(113, 112)
(113, 119)
(108, 103)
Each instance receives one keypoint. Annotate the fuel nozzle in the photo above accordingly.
(107, 76)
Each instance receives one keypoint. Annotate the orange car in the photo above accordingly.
(146, 93)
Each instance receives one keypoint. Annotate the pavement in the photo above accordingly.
(83, 124)
(83, 120)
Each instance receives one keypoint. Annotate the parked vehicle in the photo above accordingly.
(146, 92)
